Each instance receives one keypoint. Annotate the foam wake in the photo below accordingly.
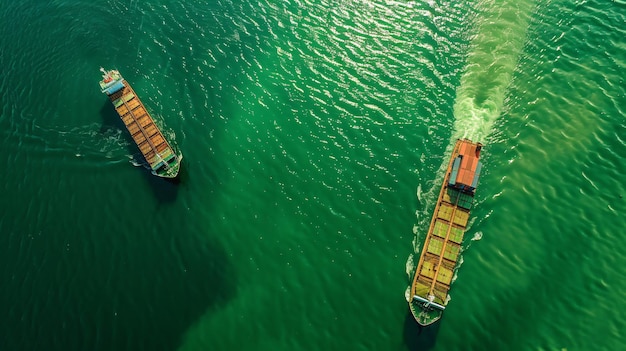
(491, 62)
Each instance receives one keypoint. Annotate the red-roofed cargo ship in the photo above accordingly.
(442, 245)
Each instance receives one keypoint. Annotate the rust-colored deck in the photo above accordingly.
(140, 125)
(442, 245)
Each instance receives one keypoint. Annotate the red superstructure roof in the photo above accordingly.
(470, 153)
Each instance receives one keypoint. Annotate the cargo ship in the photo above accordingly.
(159, 155)
(442, 245)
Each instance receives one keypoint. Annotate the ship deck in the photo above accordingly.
(151, 142)
(442, 245)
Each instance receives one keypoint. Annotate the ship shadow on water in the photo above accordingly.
(164, 189)
(418, 338)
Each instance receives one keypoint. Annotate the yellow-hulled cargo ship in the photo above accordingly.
(159, 155)
(442, 245)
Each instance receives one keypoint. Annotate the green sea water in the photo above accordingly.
(314, 134)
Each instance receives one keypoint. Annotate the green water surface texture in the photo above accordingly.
(314, 134)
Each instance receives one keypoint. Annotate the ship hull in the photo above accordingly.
(424, 316)
(162, 160)
(440, 253)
